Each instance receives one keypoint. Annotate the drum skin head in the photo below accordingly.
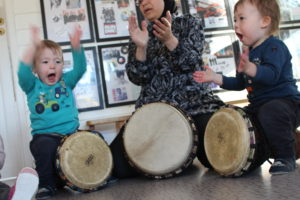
(85, 160)
(158, 139)
(227, 141)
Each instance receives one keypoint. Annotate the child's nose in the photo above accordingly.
(52, 65)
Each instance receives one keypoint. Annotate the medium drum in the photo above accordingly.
(233, 145)
(84, 161)
(160, 141)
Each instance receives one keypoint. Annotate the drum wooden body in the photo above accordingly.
(159, 140)
(84, 161)
(232, 144)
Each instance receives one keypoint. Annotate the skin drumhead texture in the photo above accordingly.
(227, 141)
(85, 160)
(158, 138)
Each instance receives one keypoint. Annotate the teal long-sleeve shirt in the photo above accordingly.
(53, 108)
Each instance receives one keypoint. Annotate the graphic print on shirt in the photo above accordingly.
(45, 103)
(46, 100)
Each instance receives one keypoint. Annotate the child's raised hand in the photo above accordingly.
(244, 58)
(29, 53)
(245, 65)
(75, 37)
(35, 35)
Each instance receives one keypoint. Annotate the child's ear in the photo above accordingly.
(266, 21)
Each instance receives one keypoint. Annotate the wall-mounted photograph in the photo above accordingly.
(215, 14)
(111, 18)
(290, 11)
(118, 90)
(88, 91)
(60, 16)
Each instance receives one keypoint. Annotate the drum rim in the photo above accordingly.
(187, 162)
(65, 178)
(246, 162)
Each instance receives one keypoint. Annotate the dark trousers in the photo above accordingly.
(122, 169)
(279, 119)
(201, 123)
(43, 148)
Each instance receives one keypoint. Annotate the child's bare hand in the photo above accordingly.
(244, 58)
(245, 65)
(204, 76)
(75, 37)
(35, 35)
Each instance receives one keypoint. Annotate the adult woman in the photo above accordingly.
(163, 55)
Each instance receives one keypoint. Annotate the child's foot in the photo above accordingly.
(45, 193)
(26, 184)
(282, 166)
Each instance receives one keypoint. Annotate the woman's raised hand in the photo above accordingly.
(139, 36)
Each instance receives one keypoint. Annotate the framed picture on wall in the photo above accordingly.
(221, 53)
(215, 14)
(60, 16)
(88, 91)
(290, 36)
(290, 11)
(111, 18)
(118, 90)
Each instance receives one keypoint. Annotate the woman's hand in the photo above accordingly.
(163, 31)
(75, 37)
(138, 36)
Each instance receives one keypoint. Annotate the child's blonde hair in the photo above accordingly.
(266, 8)
(47, 44)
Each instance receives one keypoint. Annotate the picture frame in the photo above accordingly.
(221, 53)
(111, 18)
(290, 36)
(60, 16)
(88, 91)
(290, 11)
(215, 14)
(118, 89)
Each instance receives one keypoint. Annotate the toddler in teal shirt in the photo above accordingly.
(53, 111)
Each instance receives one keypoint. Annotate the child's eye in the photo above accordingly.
(242, 18)
(58, 62)
(45, 62)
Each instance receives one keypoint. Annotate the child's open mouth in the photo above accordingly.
(240, 36)
(51, 77)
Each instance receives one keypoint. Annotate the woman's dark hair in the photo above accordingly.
(171, 6)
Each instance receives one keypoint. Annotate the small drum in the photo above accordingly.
(160, 141)
(232, 144)
(84, 161)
